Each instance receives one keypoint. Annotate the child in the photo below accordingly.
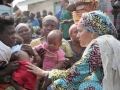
(54, 55)
(21, 76)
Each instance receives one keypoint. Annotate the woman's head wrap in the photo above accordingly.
(98, 22)
(72, 28)
(21, 25)
(49, 17)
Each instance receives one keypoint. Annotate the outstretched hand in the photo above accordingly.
(35, 70)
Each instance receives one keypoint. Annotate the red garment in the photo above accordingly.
(23, 77)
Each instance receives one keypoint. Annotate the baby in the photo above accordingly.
(21, 76)
(5, 54)
(54, 56)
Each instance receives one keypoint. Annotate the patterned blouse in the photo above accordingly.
(86, 74)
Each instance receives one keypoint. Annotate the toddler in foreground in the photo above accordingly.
(54, 55)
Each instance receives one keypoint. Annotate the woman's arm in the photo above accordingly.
(37, 59)
(11, 67)
(83, 68)
(71, 7)
(36, 70)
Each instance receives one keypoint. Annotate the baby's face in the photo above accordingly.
(53, 43)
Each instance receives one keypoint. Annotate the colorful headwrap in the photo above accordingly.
(49, 17)
(98, 22)
(71, 28)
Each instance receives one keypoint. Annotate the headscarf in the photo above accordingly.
(71, 28)
(5, 53)
(49, 17)
(21, 25)
(98, 22)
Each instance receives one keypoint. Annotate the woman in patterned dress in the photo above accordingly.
(98, 68)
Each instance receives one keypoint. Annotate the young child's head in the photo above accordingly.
(54, 40)
(73, 33)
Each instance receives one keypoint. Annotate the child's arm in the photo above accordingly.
(37, 59)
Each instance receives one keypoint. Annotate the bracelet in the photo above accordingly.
(75, 4)
(47, 73)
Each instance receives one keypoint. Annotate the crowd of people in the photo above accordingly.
(72, 50)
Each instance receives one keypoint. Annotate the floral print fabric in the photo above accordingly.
(86, 74)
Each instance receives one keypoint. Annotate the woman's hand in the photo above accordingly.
(11, 67)
(28, 49)
(14, 57)
(36, 70)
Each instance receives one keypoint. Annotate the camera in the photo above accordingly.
(116, 4)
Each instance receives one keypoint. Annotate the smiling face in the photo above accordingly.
(8, 36)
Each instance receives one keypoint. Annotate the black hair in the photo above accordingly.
(56, 32)
(5, 21)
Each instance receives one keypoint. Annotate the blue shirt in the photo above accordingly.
(34, 22)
